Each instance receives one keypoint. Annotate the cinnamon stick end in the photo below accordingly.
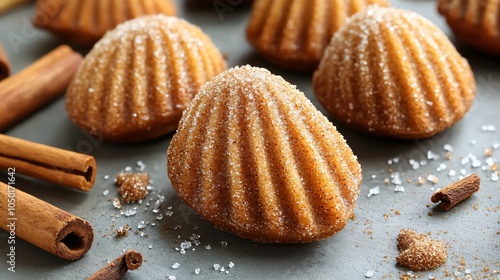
(457, 192)
(133, 260)
(88, 174)
(74, 240)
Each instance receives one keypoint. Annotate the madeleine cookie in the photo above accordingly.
(85, 21)
(293, 34)
(253, 156)
(136, 81)
(474, 22)
(391, 72)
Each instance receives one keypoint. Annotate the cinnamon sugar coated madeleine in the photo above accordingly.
(474, 22)
(86, 21)
(253, 156)
(391, 72)
(136, 81)
(293, 34)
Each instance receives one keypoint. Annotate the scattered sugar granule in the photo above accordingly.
(414, 164)
(448, 148)
(197, 271)
(223, 243)
(172, 277)
(116, 203)
(150, 246)
(105, 192)
(421, 181)
(106, 177)
(208, 247)
(140, 165)
(130, 212)
(231, 265)
(432, 156)
(141, 225)
(488, 128)
(373, 191)
(369, 274)
(433, 179)
(494, 176)
(441, 167)
(176, 265)
(133, 187)
(399, 188)
(185, 245)
(216, 266)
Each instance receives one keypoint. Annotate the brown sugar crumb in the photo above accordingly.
(418, 252)
(494, 167)
(133, 187)
(122, 231)
(421, 181)
(488, 152)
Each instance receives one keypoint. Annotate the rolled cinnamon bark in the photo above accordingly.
(59, 166)
(37, 85)
(4, 64)
(115, 270)
(44, 225)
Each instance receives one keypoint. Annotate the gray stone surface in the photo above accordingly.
(367, 243)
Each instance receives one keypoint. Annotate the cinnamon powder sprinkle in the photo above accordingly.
(133, 187)
(418, 252)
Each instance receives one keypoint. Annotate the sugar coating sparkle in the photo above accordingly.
(279, 143)
(392, 72)
(135, 82)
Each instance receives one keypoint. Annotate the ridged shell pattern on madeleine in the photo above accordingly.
(391, 72)
(86, 21)
(253, 156)
(474, 22)
(293, 34)
(137, 80)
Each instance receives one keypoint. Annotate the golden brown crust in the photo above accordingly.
(474, 22)
(254, 157)
(391, 72)
(85, 21)
(136, 81)
(293, 34)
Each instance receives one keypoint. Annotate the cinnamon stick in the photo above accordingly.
(37, 85)
(131, 260)
(4, 64)
(43, 225)
(52, 164)
(6, 5)
(457, 192)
